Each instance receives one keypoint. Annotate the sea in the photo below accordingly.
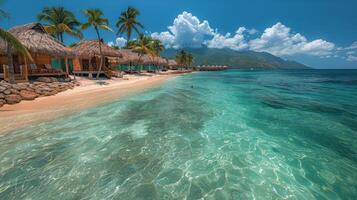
(234, 134)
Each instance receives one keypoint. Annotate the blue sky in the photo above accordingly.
(319, 33)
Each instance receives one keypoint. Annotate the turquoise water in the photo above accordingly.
(212, 135)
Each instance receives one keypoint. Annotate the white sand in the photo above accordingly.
(91, 93)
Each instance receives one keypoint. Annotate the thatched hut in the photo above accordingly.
(132, 61)
(43, 49)
(87, 57)
(172, 64)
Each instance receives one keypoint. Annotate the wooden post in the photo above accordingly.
(26, 72)
(67, 68)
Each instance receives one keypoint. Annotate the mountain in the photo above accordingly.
(236, 59)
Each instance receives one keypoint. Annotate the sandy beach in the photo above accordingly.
(91, 93)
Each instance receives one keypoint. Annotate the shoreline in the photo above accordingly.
(89, 94)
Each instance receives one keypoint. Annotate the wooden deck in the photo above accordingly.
(47, 74)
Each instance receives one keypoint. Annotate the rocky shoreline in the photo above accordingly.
(43, 86)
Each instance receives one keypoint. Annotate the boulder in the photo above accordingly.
(30, 89)
(15, 87)
(2, 96)
(2, 88)
(13, 98)
(7, 92)
(45, 79)
(28, 95)
(22, 86)
(13, 91)
(1, 104)
(53, 79)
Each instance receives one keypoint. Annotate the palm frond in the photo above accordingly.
(14, 42)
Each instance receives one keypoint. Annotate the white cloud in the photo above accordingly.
(353, 46)
(187, 31)
(235, 42)
(120, 42)
(166, 38)
(351, 58)
(279, 40)
(349, 53)
(252, 31)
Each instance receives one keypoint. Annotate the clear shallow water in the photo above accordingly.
(233, 135)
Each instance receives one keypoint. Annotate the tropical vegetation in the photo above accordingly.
(127, 23)
(146, 45)
(60, 21)
(96, 20)
(184, 59)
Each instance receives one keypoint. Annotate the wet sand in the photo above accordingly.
(91, 93)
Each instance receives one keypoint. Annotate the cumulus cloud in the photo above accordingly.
(166, 38)
(186, 31)
(235, 42)
(120, 42)
(279, 40)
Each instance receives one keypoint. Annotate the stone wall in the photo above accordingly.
(44, 86)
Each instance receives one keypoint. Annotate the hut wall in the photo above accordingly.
(76, 64)
(41, 58)
(3, 60)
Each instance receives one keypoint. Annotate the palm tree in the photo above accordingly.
(189, 59)
(127, 22)
(96, 20)
(60, 21)
(143, 45)
(181, 58)
(12, 43)
(157, 48)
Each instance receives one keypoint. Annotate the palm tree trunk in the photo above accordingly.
(10, 64)
(100, 52)
(140, 63)
(60, 38)
(128, 38)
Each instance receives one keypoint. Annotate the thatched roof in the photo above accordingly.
(148, 60)
(163, 61)
(35, 38)
(172, 63)
(90, 48)
(129, 56)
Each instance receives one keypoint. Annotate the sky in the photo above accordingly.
(318, 33)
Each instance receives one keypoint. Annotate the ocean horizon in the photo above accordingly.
(234, 134)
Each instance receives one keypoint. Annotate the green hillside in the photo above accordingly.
(237, 59)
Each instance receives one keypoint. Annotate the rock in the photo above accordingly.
(38, 83)
(7, 92)
(1, 104)
(53, 79)
(2, 88)
(22, 86)
(30, 89)
(45, 79)
(15, 87)
(28, 95)
(13, 91)
(13, 98)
